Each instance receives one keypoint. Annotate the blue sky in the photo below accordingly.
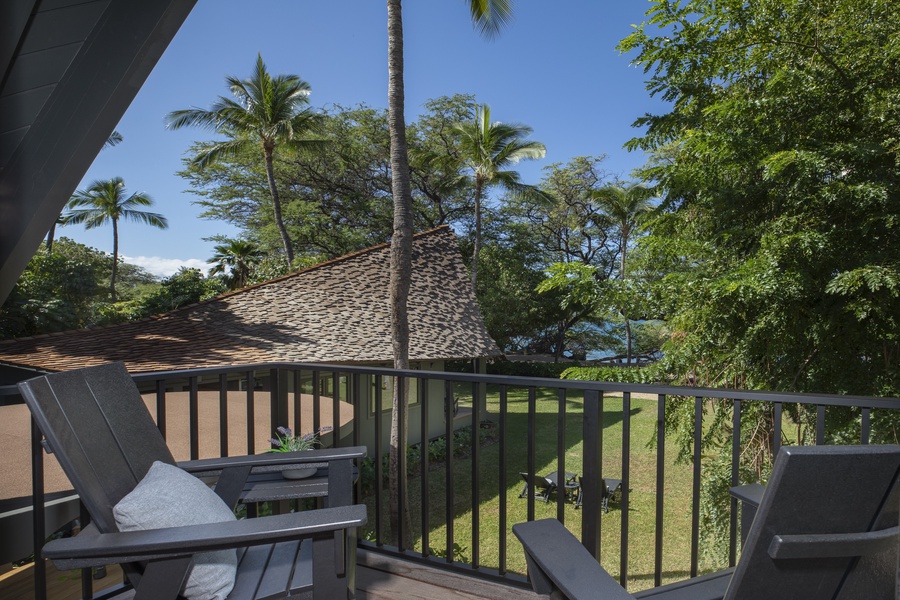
(555, 69)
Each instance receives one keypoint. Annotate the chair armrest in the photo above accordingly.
(91, 548)
(271, 461)
(749, 495)
(834, 545)
(558, 562)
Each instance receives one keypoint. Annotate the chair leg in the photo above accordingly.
(524, 493)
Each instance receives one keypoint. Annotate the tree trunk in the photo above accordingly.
(401, 274)
(115, 265)
(476, 250)
(627, 341)
(50, 235)
(276, 207)
(622, 275)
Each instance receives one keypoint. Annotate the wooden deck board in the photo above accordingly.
(378, 577)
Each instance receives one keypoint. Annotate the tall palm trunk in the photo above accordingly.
(627, 322)
(401, 273)
(115, 265)
(50, 235)
(276, 206)
(476, 250)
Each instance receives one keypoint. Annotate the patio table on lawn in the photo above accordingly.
(570, 486)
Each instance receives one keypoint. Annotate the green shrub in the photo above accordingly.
(529, 369)
(607, 373)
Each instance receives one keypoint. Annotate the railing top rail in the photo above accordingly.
(515, 381)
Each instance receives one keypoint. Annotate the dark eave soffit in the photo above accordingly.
(70, 69)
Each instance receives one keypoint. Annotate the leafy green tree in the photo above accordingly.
(777, 155)
(488, 16)
(626, 207)
(56, 292)
(187, 286)
(337, 200)
(105, 201)
(235, 260)
(267, 111)
(488, 150)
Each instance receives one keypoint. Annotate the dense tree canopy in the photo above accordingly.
(778, 162)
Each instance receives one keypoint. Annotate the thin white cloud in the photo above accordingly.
(164, 267)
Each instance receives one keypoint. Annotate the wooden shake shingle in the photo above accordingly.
(333, 312)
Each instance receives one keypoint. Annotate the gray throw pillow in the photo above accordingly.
(170, 497)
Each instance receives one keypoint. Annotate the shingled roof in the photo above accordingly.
(334, 312)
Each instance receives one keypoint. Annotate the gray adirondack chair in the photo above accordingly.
(827, 527)
(96, 424)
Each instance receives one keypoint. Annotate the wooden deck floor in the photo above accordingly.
(378, 578)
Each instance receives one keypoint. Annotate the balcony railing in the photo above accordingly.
(462, 506)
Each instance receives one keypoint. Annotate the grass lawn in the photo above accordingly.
(676, 544)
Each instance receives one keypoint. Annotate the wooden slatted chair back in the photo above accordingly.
(100, 431)
(800, 499)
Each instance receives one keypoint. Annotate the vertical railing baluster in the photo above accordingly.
(279, 413)
(592, 433)
(735, 479)
(194, 416)
(776, 430)
(695, 493)
(298, 403)
(379, 451)
(448, 469)
(626, 479)
(356, 401)
(317, 402)
(660, 486)
(87, 574)
(820, 424)
(532, 468)
(161, 406)
(561, 456)
(39, 525)
(251, 414)
(336, 411)
(423, 463)
(865, 426)
(476, 474)
(401, 395)
(223, 415)
(503, 481)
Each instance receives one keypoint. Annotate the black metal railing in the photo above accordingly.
(210, 395)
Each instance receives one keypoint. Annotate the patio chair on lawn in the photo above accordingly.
(542, 486)
(812, 538)
(608, 488)
(173, 536)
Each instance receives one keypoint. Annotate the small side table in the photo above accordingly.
(750, 496)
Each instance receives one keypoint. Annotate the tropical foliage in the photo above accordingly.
(235, 260)
(106, 201)
(267, 112)
(487, 150)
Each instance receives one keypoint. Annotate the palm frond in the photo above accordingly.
(490, 16)
(220, 151)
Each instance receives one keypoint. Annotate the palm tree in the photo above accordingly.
(488, 149)
(104, 201)
(488, 16)
(268, 111)
(114, 139)
(236, 258)
(626, 207)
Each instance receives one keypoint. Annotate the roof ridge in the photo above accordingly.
(325, 263)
